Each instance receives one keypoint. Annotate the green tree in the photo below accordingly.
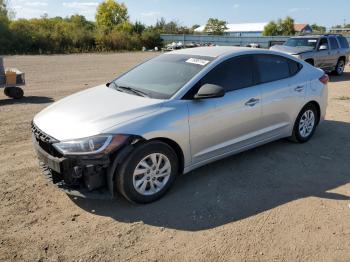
(22, 36)
(110, 13)
(151, 39)
(126, 27)
(164, 27)
(194, 27)
(287, 26)
(138, 27)
(80, 33)
(172, 27)
(342, 26)
(5, 34)
(3, 8)
(283, 27)
(338, 26)
(318, 29)
(271, 29)
(215, 26)
(160, 25)
(76, 34)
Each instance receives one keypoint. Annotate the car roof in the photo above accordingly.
(222, 52)
(213, 51)
(316, 35)
(307, 36)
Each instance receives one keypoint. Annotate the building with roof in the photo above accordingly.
(246, 29)
(254, 29)
(342, 30)
(302, 29)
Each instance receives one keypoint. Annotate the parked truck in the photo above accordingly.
(329, 52)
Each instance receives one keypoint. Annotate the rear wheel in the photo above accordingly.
(14, 92)
(148, 172)
(339, 69)
(305, 124)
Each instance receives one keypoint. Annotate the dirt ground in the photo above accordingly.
(279, 202)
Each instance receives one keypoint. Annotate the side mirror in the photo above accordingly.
(323, 47)
(210, 91)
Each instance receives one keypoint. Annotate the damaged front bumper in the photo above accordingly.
(77, 176)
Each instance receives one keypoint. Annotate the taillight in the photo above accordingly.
(324, 79)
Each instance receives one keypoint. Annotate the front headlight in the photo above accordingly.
(91, 145)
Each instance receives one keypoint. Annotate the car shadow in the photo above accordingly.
(244, 185)
(27, 100)
(344, 77)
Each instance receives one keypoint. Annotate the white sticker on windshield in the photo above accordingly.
(312, 40)
(197, 61)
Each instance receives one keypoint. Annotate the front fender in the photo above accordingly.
(170, 122)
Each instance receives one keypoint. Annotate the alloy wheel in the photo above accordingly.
(151, 174)
(307, 123)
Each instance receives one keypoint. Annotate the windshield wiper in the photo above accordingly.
(128, 89)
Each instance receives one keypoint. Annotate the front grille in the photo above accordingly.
(45, 141)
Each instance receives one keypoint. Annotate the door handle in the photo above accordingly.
(252, 102)
(299, 89)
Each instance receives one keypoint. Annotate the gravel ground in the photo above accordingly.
(278, 202)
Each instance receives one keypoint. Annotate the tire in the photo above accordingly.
(339, 69)
(7, 91)
(14, 92)
(141, 184)
(303, 132)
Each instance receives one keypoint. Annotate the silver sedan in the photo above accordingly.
(174, 113)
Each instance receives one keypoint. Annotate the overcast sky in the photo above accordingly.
(189, 12)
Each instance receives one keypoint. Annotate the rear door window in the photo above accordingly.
(272, 67)
(334, 43)
(343, 42)
(294, 67)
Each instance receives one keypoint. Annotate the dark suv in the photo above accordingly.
(329, 52)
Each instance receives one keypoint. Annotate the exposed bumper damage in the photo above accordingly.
(87, 177)
(77, 190)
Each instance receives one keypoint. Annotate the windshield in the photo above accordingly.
(309, 43)
(163, 76)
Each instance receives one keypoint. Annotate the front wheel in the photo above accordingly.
(305, 124)
(148, 172)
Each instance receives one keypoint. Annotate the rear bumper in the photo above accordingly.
(84, 178)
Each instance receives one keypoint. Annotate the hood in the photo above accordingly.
(290, 50)
(92, 111)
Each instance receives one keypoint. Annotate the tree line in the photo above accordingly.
(281, 27)
(285, 27)
(112, 31)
